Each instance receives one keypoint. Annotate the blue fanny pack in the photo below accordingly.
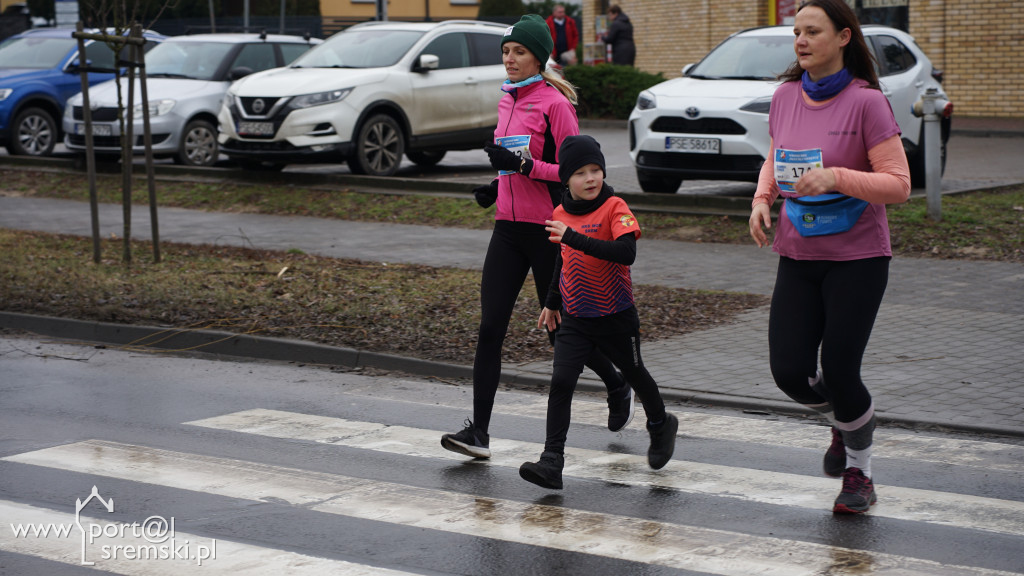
(823, 215)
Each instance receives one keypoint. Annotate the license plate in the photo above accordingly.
(255, 128)
(97, 129)
(693, 145)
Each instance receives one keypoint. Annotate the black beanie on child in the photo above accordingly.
(575, 153)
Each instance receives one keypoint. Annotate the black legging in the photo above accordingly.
(618, 337)
(831, 304)
(515, 249)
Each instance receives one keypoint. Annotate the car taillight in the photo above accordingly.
(937, 74)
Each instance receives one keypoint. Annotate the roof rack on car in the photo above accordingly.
(439, 23)
(472, 22)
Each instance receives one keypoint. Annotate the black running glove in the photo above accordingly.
(486, 195)
(502, 158)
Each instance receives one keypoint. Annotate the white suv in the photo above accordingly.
(370, 94)
(712, 123)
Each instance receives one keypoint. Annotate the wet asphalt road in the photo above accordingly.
(287, 466)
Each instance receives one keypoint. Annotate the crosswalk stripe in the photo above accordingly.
(673, 545)
(222, 557)
(887, 444)
(934, 507)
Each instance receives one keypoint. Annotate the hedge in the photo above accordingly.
(609, 91)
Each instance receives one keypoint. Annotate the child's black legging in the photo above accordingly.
(832, 304)
(618, 337)
(515, 249)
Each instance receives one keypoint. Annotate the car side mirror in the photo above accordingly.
(426, 63)
(239, 72)
(687, 68)
(74, 67)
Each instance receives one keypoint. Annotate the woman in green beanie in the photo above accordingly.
(534, 116)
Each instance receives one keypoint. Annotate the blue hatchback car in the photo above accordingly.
(38, 73)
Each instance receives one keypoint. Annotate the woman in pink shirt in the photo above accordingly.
(836, 158)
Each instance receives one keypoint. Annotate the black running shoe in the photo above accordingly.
(663, 442)
(547, 473)
(835, 457)
(620, 410)
(858, 493)
(468, 441)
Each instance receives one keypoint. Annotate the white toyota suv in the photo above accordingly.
(370, 94)
(712, 123)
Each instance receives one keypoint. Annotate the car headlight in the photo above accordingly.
(319, 98)
(4, 93)
(156, 108)
(645, 101)
(759, 106)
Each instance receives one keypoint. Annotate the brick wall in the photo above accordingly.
(979, 45)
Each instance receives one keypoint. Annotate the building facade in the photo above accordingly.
(979, 45)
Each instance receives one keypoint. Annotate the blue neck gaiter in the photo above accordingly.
(828, 86)
(509, 86)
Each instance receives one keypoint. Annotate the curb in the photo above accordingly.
(235, 345)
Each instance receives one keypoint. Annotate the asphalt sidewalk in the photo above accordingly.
(947, 350)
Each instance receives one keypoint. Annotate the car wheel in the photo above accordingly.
(198, 145)
(918, 178)
(425, 158)
(34, 133)
(379, 147)
(657, 183)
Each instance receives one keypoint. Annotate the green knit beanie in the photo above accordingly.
(532, 31)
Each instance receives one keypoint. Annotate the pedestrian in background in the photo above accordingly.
(836, 157)
(565, 36)
(591, 304)
(620, 37)
(534, 116)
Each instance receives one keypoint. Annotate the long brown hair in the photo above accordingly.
(856, 56)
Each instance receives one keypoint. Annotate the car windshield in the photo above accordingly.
(747, 58)
(40, 53)
(197, 60)
(360, 49)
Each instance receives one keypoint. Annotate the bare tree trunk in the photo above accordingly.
(127, 152)
(90, 156)
(139, 58)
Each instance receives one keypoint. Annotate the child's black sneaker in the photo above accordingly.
(547, 473)
(468, 441)
(835, 457)
(858, 493)
(663, 442)
(621, 409)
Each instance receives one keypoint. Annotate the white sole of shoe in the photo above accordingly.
(472, 451)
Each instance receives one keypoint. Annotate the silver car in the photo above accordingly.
(186, 81)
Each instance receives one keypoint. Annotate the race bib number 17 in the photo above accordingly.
(790, 165)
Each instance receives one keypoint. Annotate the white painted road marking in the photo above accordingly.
(659, 543)
(975, 512)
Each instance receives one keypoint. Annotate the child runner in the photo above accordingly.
(591, 297)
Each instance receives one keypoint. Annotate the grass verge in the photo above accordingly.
(409, 310)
